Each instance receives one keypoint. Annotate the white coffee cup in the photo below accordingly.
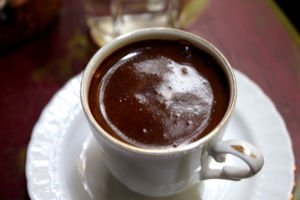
(167, 171)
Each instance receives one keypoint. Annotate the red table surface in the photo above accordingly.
(253, 35)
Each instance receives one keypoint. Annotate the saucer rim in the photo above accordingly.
(33, 188)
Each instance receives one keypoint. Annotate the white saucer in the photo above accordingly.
(63, 160)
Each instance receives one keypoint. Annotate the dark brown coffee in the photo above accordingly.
(159, 93)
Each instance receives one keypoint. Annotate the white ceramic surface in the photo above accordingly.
(64, 161)
(155, 171)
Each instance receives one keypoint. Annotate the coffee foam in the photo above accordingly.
(181, 99)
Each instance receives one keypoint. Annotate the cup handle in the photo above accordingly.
(241, 149)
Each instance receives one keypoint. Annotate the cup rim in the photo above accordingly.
(148, 34)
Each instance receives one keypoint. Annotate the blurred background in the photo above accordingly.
(291, 9)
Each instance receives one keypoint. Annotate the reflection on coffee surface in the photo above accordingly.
(159, 93)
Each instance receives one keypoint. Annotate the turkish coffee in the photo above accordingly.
(159, 93)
